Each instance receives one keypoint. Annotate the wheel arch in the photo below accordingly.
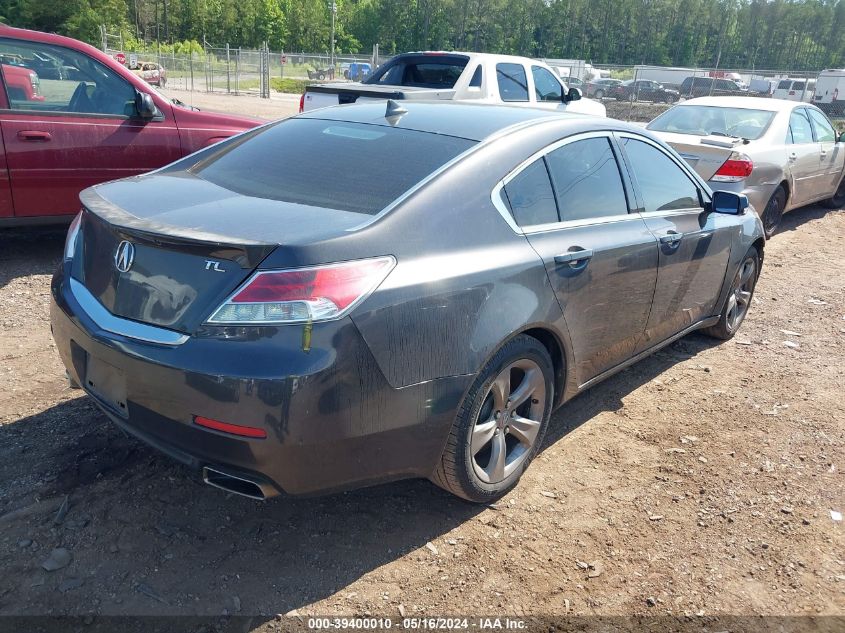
(560, 354)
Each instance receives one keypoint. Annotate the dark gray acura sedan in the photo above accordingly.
(368, 292)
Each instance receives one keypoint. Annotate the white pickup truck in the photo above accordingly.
(479, 77)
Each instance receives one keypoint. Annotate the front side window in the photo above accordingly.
(663, 184)
(55, 79)
(586, 180)
(799, 128)
(546, 87)
(824, 130)
(530, 196)
(289, 161)
(513, 83)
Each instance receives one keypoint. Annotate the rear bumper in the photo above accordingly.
(332, 421)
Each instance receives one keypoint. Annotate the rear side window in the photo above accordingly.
(784, 85)
(513, 83)
(306, 161)
(475, 82)
(586, 180)
(799, 128)
(530, 196)
(663, 184)
(824, 131)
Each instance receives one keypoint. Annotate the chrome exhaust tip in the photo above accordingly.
(237, 485)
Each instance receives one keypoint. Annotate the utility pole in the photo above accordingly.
(333, 8)
(166, 23)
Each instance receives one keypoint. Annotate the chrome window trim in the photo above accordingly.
(478, 146)
(496, 193)
(108, 322)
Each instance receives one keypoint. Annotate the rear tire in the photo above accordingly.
(838, 199)
(739, 298)
(500, 423)
(773, 212)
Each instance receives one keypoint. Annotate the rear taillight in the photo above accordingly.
(736, 168)
(72, 236)
(316, 293)
(302, 103)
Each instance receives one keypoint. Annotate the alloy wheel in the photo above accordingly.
(509, 421)
(740, 297)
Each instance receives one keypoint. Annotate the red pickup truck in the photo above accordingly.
(71, 117)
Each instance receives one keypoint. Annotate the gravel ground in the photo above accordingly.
(700, 481)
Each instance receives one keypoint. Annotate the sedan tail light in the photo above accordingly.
(302, 103)
(738, 167)
(316, 293)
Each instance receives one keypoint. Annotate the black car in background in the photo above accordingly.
(282, 333)
(644, 90)
(710, 86)
(600, 88)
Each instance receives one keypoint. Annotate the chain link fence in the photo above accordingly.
(229, 70)
(639, 88)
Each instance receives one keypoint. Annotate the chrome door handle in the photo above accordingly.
(671, 238)
(574, 257)
(793, 156)
(34, 135)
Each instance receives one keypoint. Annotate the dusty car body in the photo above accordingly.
(781, 154)
(284, 335)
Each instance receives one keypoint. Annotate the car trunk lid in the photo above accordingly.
(705, 154)
(186, 258)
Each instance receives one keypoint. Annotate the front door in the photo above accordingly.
(694, 245)
(601, 260)
(78, 129)
(831, 154)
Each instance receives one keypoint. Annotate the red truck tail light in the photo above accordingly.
(302, 103)
(736, 168)
(297, 295)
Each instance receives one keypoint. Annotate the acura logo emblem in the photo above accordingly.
(124, 256)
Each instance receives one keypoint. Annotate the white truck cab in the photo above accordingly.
(480, 77)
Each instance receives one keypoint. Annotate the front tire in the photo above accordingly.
(739, 298)
(599, 95)
(500, 423)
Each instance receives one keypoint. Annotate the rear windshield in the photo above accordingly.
(714, 120)
(330, 164)
(422, 71)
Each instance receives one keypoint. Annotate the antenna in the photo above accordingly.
(394, 109)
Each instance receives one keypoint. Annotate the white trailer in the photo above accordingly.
(830, 91)
(667, 76)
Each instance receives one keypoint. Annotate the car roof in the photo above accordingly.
(751, 103)
(473, 121)
(477, 56)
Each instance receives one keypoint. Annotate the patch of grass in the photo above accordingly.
(289, 85)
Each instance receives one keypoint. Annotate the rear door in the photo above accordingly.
(694, 245)
(84, 131)
(601, 260)
(7, 209)
(832, 159)
(804, 157)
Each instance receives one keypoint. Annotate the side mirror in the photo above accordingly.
(729, 202)
(842, 137)
(145, 106)
(573, 94)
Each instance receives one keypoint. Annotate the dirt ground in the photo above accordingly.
(698, 482)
